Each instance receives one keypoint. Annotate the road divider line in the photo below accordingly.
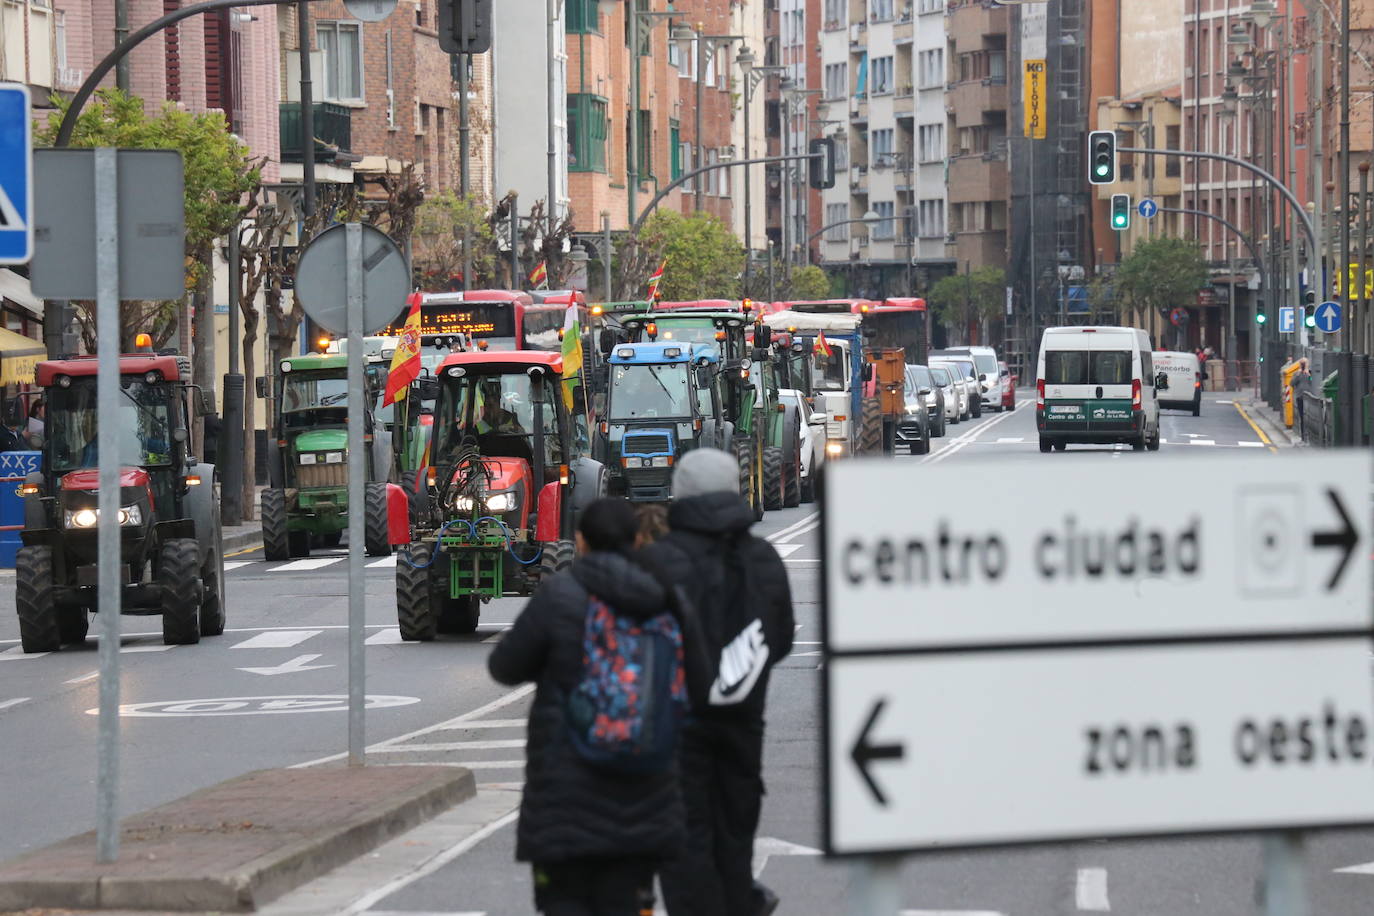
(89, 676)
(1090, 892)
(956, 444)
(239, 553)
(277, 639)
(791, 529)
(491, 723)
(496, 744)
(1259, 432)
(10, 704)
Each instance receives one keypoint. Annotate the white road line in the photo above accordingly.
(231, 565)
(490, 723)
(795, 526)
(9, 704)
(497, 744)
(426, 913)
(956, 444)
(950, 913)
(1010, 440)
(1163, 441)
(802, 561)
(1365, 869)
(1090, 893)
(384, 562)
(1202, 442)
(16, 653)
(786, 550)
(387, 637)
(1250, 444)
(128, 650)
(276, 639)
(306, 564)
(89, 676)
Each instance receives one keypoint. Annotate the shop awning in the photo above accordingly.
(16, 289)
(19, 358)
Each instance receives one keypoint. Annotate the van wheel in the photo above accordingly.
(1139, 444)
(1061, 446)
(1045, 445)
(1153, 442)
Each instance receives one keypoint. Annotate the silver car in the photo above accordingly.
(956, 400)
(964, 381)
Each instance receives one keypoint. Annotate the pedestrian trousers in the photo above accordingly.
(595, 887)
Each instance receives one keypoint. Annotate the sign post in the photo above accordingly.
(1111, 666)
(361, 268)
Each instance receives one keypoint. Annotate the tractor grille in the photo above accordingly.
(646, 444)
(321, 475)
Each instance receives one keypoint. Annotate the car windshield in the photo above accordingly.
(143, 424)
(987, 364)
(1088, 367)
(827, 373)
(940, 376)
(639, 391)
(313, 390)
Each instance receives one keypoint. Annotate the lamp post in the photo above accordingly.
(640, 26)
(870, 217)
(753, 76)
(707, 46)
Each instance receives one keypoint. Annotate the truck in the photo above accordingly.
(171, 545)
(306, 502)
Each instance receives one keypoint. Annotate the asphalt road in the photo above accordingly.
(267, 693)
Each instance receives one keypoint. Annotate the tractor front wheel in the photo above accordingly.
(276, 544)
(212, 587)
(378, 543)
(772, 477)
(871, 427)
(744, 455)
(34, 599)
(179, 576)
(417, 606)
(557, 556)
(74, 623)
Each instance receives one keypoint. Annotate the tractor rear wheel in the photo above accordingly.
(772, 477)
(791, 484)
(74, 623)
(417, 606)
(870, 427)
(212, 588)
(744, 455)
(179, 575)
(298, 543)
(34, 599)
(275, 543)
(460, 615)
(378, 542)
(557, 556)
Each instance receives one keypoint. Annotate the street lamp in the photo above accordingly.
(707, 46)
(870, 217)
(753, 76)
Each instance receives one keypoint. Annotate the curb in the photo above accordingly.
(1277, 432)
(241, 540)
(202, 862)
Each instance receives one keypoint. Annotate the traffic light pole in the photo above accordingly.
(688, 176)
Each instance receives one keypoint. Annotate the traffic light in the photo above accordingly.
(1121, 212)
(1260, 318)
(465, 26)
(1309, 317)
(821, 165)
(1102, 156)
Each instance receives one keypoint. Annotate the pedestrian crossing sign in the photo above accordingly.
(16, 175)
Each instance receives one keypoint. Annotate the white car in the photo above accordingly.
(812, 441)
(955, 402)
(988, 373)
(961, 370)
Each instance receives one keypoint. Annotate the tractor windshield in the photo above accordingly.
(639, 391)
(687, 330)
(496, 414)
(144, 424)
(828, 371)
(312, 390)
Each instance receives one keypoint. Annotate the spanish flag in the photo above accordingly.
(656, 279)
(405, 362)
(822, 345)
(540, 275)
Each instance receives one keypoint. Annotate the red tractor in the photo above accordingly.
(496, 513)
(172, 562)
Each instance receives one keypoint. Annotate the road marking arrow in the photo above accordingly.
(299, 663)
(1346, 538)
(864, 753)
(766, 847)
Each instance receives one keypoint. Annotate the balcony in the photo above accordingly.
(858, 181)
(977, 177)
(969, 100)
(988, 248)
(333, 132)
(903, 32)
(903, 103)
(969, 24)
(858, 110)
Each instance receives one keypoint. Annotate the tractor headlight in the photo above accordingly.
(663, 461)
(501, 502)
(129, 516)
(308, 458)
(333, 457)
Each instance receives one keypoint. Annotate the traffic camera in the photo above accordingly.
(1121, 212)
(1102, 156)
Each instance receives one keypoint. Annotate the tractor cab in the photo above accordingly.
(664, 401)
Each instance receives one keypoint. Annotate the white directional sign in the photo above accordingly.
(1066, 652)
(16, 175)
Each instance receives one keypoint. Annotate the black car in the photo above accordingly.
(914, 429)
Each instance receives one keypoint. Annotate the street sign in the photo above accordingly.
(1097, 661)
(151, 209)
(16, 175)
(1287, 319)
(1328, 317)
(322, 270)
(1033, 99)
(1147, 208)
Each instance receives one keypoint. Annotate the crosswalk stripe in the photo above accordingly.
(306, 564)
(231, 565)
(15, 653)
(1202, 442)
(276, 639)
(499, 744)
(1010, 440)
(125, 650)
(383, 562)
(1250, 444)
(391, 637)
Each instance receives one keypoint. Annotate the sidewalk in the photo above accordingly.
(249, 534)
(1270, 421)
(236, 845)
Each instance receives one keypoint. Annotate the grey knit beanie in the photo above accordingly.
(705, 470)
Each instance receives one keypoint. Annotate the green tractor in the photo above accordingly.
(307, 503)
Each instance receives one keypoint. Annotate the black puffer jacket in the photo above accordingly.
(738, 586)
(570, 809)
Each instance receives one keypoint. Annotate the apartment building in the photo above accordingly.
(925, 144)
(798, 110)
(750, 20)
(976, 130)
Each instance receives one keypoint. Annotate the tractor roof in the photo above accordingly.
(504, 361)
(309, 361)
(713, 304)
(129, 364)
(684, 314)
(658, 353)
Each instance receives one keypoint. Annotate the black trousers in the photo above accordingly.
(595, 887)
(722, 789)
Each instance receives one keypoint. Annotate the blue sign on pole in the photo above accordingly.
(1147, 208)
(1286, 321)
(1328, 316)
(16, 175)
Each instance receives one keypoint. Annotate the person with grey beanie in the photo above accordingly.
(739, 587)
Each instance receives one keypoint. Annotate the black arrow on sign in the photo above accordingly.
(1346, 538)
(864, 753)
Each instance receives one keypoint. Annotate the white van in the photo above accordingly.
(990, 379)
(1185, 380)
(1096, 385)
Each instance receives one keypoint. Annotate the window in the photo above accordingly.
(684, 155)
(582, 16)
(835, 13)
(932, 6)
(931, 218)
(881, 10)
(932, 139)
(586, 133)
(841, 154)
(882, 75)
(645, 160)
(997, 66)
(675, 148)
(880, 146)
(674, 56)
(341, 47)
(883, 228)
(932, 65)
(712, 178)
(836, 77)
(836, 213)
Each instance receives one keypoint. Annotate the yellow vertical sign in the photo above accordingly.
(1033, 102)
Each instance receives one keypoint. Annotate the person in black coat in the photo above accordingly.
(595, 837)
(739, 586)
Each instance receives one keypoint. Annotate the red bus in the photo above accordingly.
(505, 319)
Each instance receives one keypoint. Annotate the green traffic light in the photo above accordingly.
(1102, 168)
(1119, 221)
(1260, 318)
(1310, 321)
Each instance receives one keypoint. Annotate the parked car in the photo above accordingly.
(987, 372)
(963, 371)
(935, 401)
(812, 440)
(1008, 387)
(913, 430)
(953, 392)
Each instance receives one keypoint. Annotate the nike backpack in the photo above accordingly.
(625, 712)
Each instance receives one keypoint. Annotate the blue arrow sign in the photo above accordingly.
(1147, 208)
(1286, 319)
(1328, 317)
(16, 175)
